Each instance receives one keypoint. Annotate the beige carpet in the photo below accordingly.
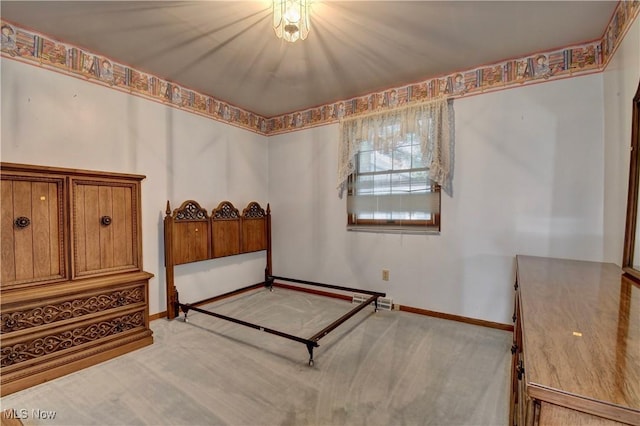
(384, 368)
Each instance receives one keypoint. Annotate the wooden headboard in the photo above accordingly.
(192, 235)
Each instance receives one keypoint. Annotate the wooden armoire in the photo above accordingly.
(72, 289)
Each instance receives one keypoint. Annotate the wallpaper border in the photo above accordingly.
(585, 58)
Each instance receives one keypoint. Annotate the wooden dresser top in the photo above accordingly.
(581, 335)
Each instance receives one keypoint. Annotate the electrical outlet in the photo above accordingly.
(385, 275)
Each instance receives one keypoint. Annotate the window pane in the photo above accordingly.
(366, 146)
(401, 182)
(382, 184)
(382, 161)
(420, 216)
(402, 157)
(366, 215)
(418, 159)
(365, 161)
(364, 185)
(419, 181)
(405, 142)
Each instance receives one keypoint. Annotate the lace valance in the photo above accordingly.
(432, 122)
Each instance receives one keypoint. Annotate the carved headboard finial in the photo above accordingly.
(190, 210)
(225, 210)
(168, 211)
(253, 211)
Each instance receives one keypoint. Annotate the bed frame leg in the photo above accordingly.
(310, 349)
(375, 302)
(175, 300)
(186, 312)
(269, 281)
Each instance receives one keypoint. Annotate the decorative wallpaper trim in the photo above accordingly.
(35, 48)
(38, 49)
(581, 59)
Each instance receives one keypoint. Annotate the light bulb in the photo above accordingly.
(292, 14)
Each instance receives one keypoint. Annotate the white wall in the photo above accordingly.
(528, 180)
(620, 79)
(55, 120)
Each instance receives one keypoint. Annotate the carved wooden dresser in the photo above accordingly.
(576, 349)
(73, 291)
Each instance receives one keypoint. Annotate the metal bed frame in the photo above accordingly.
(310, 342)
(193, 216)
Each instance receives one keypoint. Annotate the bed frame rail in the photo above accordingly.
(331, 286)
(186, 307)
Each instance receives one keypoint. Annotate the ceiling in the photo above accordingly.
(228, 49)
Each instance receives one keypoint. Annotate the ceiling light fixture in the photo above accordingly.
(291, 19)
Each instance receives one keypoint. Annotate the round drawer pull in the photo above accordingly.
(22, 222)
(105, 220)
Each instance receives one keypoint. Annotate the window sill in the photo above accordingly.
(394, 230)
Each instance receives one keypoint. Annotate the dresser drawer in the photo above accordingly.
(27, 314)
(65, 350)
(24, 350)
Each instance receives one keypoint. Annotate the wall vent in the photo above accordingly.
(384, 303)
(359, 298)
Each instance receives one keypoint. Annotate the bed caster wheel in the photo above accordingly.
(310, 363)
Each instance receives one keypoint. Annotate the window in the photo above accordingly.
(394, 164)
(391, 188)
